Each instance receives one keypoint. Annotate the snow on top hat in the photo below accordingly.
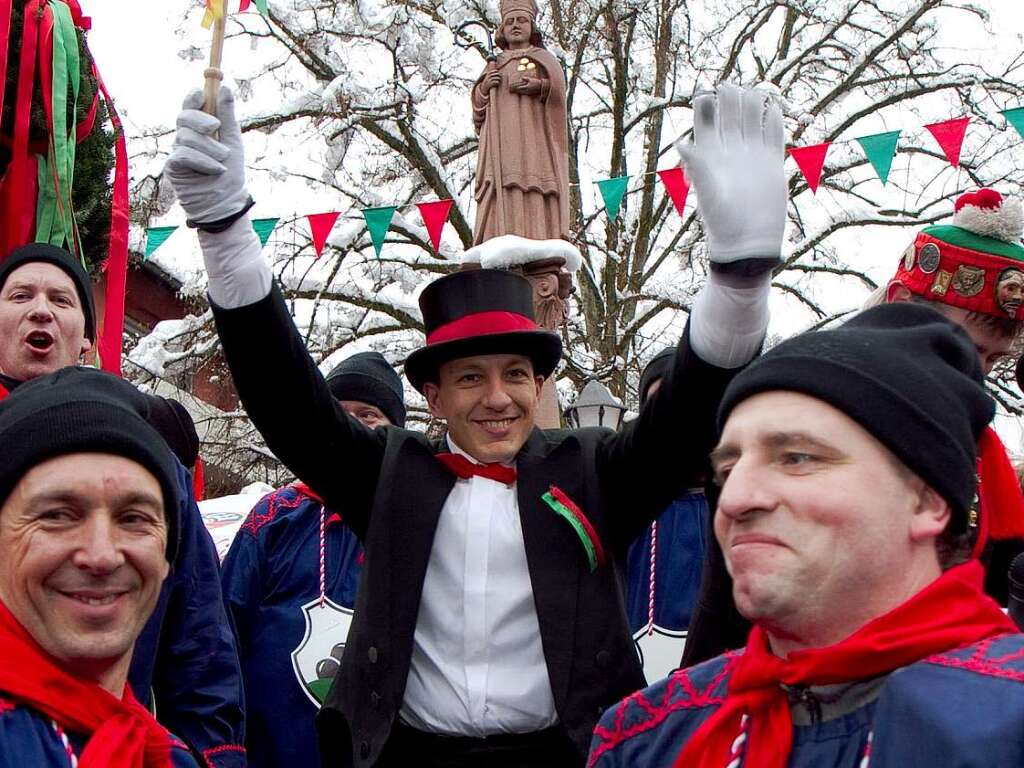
(480, 312)
(976, 263)
(526, 6)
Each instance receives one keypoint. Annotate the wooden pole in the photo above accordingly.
(213, 73)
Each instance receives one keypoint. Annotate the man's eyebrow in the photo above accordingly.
(128, 498)
(723, 452)
(775, 440)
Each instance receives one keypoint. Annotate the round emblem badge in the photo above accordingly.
(928, 258)
(908, 258)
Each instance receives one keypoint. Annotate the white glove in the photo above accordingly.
(208, 175)
(209, 179)
(735, 163)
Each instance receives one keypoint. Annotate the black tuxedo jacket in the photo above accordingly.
(390, 490)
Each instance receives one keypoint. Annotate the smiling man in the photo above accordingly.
(489, 627)
(89, 527)
(847, 469)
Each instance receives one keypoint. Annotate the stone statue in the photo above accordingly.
(519, 112)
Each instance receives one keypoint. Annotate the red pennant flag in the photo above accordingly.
(243, 5)
(811, 160)
(950, 136)
(676, 185)
(320, 225)
(435, 214)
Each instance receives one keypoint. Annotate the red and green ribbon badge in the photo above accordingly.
(566, 507)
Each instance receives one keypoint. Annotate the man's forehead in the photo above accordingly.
(40, 272)
(489, 361)
(782, 412)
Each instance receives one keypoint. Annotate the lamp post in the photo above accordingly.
(595, 407)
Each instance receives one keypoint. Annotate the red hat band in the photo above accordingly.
(481, 324)
(961, 277)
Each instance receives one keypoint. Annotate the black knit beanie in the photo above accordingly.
(658, 368)
(902, 371)
(84, 410)
(369, 378)
(175, 425)
(51, 254)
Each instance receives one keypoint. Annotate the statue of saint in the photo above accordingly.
(519, 112)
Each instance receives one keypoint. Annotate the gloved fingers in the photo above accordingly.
(774, 132)
(696, 166)
(705, 121)
(753, 115)
(730, 100)
(194, 100)
(230, 133)
(207, 145)
(198, 121)
(185, 161)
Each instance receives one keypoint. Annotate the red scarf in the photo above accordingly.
(949, 613)
(122, 733)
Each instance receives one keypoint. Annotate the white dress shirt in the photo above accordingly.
(477, 663)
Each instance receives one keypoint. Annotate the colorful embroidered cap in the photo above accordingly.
(976, 263)
(480, 312)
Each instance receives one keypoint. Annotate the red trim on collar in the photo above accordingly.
(481, 324)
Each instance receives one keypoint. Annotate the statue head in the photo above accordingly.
(521, 12)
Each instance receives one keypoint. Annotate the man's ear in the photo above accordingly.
(931, 516)
(433, 394)
(86, 346)
(539, 381)
(897, 291)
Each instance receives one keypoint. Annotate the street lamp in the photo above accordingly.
(595, 407)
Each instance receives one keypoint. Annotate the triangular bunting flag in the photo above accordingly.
(676, 185)
(950, 136)
(434, 215)
(377, 221)
(612, 191)
(264, 228)
(155, 237)
(243, 5)
(262, 5)
(811, 160)
(880, 149)
(1015, 117)
(320, 225)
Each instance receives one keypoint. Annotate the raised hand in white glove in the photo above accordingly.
(735, 163)
(208, 175)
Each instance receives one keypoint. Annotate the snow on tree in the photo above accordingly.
(366, 103)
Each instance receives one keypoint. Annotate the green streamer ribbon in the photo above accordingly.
(574, 521)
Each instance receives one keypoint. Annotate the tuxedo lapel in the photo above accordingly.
(416, 509)
(552, 550)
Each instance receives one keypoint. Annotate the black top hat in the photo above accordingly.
(480, 312)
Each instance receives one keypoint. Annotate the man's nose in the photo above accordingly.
(496, 397)
(98, 551)
(744, 491)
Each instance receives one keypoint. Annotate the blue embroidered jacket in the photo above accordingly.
(960, 709)
(30, 738)
(270, 572)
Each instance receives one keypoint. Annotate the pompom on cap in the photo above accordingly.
(987, 213)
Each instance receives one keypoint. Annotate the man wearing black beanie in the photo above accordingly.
(185, 656)
(846, 465)
(290, 581)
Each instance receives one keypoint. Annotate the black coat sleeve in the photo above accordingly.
(665, 449)
(289, 402)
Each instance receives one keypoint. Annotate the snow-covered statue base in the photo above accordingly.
(548, 264)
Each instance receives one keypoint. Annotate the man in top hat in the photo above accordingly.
(489, 627)
(290, 581)
(847, 470)
(90, 515)
(186, 653)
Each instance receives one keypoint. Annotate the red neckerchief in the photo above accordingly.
(463, 468)
(121, 732)
(3, 392)
(949, 613)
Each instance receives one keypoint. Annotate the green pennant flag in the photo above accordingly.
(262, 5)
(264, 228)
(377, 221)
(1015, 117)
(880, 149)
(155, 237)
(612, 191)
